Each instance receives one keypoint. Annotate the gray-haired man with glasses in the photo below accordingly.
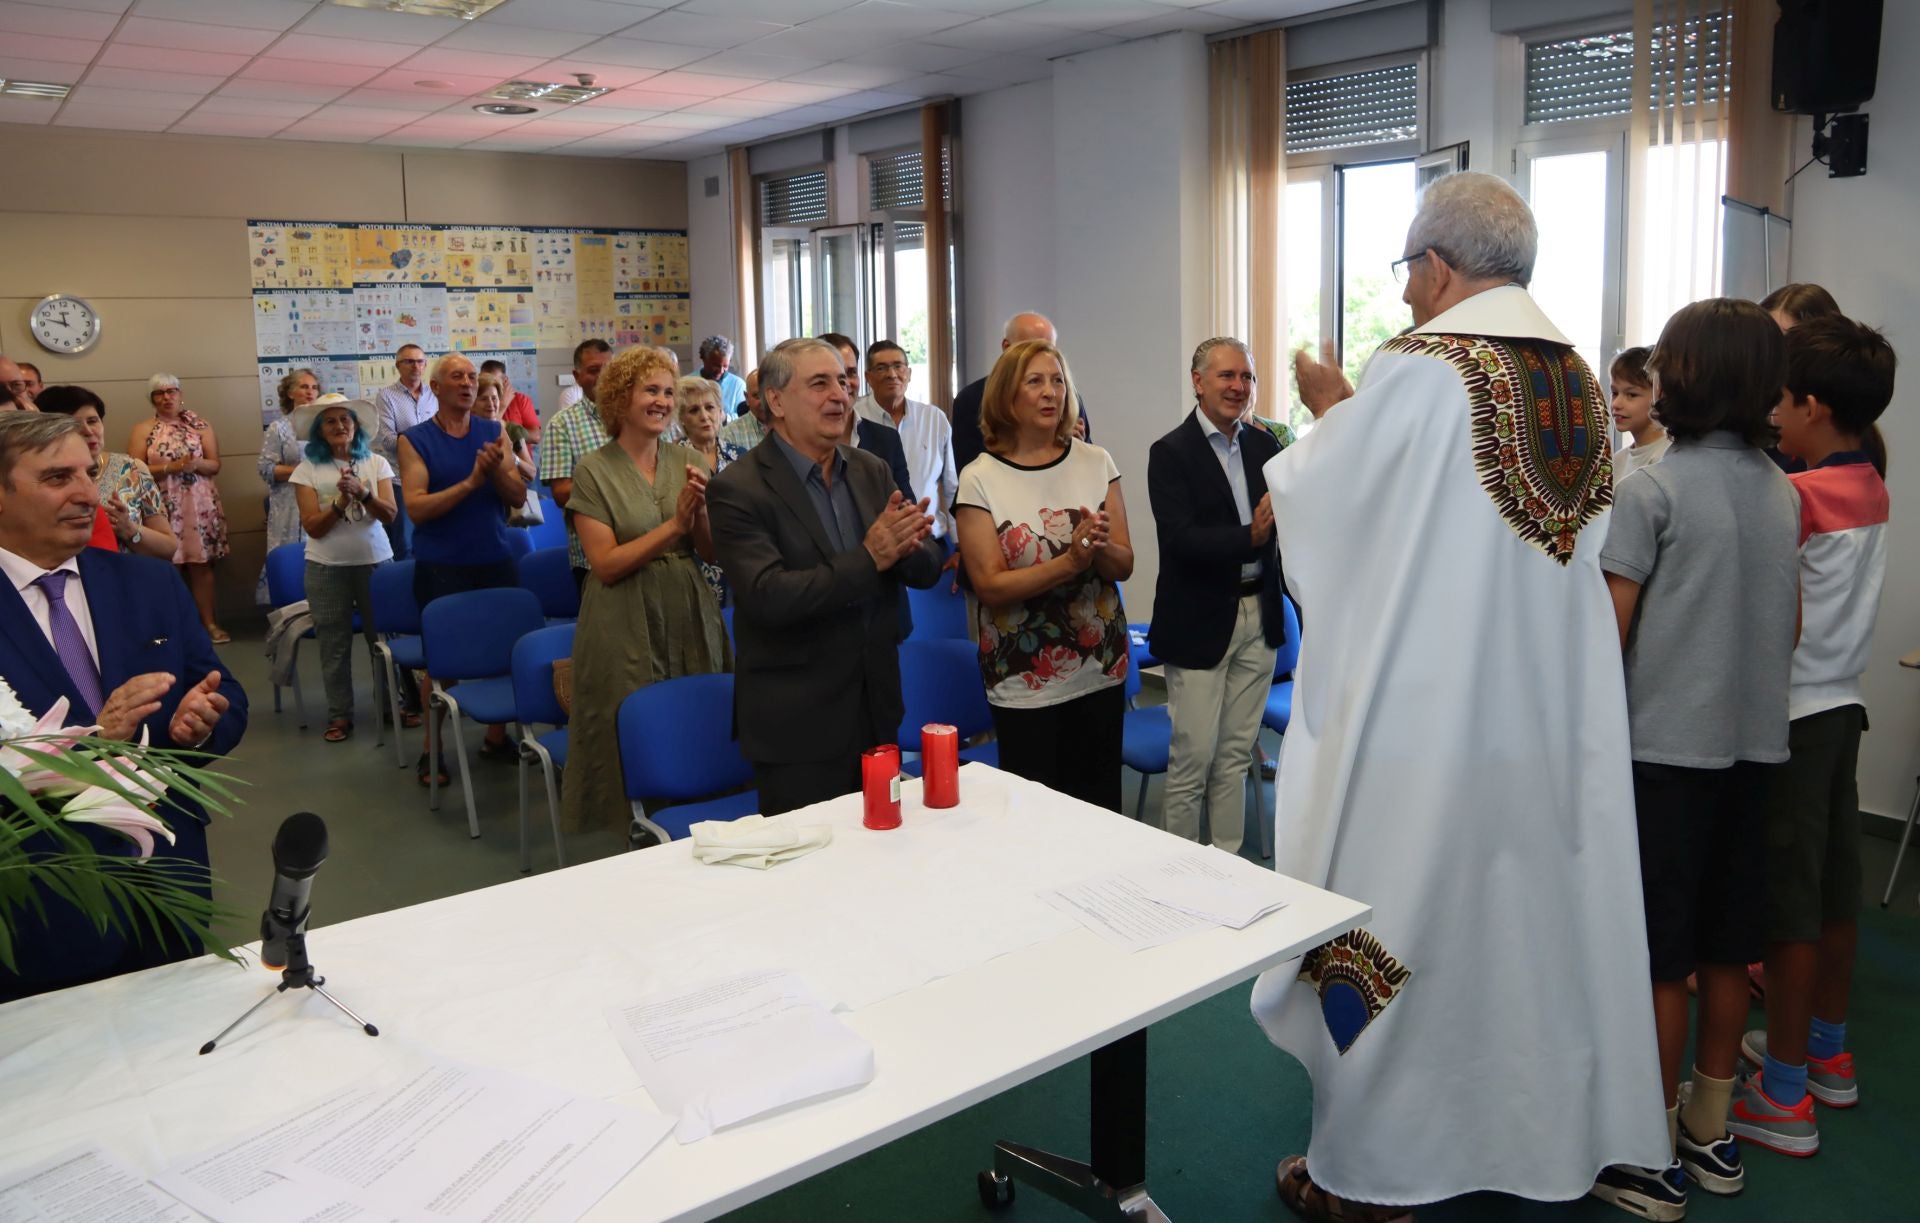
(925, 433)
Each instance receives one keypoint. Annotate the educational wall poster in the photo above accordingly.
(340, 297)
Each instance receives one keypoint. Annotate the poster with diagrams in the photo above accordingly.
(340, 297)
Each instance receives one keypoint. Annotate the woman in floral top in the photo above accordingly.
(1043, 534)
(180, 449)
(697, 407)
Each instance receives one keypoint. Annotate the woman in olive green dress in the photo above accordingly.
(646, 613)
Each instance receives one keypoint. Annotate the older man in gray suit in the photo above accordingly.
(816, 540)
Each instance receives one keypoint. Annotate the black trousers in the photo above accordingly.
(784, 787)
(1073, 747)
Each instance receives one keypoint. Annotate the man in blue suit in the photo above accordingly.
(119, 637)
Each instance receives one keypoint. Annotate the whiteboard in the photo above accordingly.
(1754, 244)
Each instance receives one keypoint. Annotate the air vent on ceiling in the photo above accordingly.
(546, 91)
(33, 89)
(465, 10)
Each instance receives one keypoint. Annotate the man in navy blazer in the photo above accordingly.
(64, 606)
(1216, 609)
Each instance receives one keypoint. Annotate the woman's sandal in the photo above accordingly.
(411, 719)
(420, 771)
(219, 635)
(1310, 1201)
(338, 731)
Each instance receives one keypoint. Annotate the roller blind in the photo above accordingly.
(893, 179)
(1592, 77)
(794, 199)
(1377, 106)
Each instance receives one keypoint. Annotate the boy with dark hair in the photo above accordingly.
(1630, 396)
(1839, 381)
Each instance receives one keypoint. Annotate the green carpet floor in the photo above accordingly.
(1224, 1106)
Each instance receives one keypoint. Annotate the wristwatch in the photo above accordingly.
(134, 540)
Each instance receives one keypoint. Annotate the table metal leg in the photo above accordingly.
(1112, 1187)
(1913, 811)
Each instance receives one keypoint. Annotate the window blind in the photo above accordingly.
(1378, 106)
(795, 199)
(893, 180)
(1592, 77)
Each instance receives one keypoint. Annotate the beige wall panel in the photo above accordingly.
(505, 189)
(234, 580)
(50, 252)
(228, 403)
(210, 176)
(191, 337)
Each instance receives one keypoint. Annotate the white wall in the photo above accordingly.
(1130, 239)
(1006, 211)
(1462, 101)
(1857, 237)
(710, 249)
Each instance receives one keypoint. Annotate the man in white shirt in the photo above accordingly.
(406, 403)
(925, 433)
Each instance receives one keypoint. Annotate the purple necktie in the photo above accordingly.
(68, 642)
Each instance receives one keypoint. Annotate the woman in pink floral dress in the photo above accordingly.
(184, 456)
(1043, 534)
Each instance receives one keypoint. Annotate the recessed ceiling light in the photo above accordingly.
(549, 91)
(34, 89)
(505, 108)
(434, 84)
(465, 10)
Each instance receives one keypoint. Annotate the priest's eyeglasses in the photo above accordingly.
(1403, 267)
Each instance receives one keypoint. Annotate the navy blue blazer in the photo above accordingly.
(144, 620)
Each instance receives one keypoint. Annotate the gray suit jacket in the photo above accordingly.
(816, 663)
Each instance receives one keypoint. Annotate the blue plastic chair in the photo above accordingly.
(1142, 652)
(938, 612)
(1146, 735)
(726, 618)
(286, 585)
(549, 575)
(552, 530)
(396, 625)
(1278, 713)
(534, 704)
(469, 637)
(940, 682)
(519, 541)
(676, 744)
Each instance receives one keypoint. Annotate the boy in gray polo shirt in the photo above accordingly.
(1701, 559)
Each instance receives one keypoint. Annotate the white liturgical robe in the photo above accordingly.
(1458, 759)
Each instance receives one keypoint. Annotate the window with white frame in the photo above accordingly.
(897, 294)
(1572, 161)
(1352, 133)
(790, 206)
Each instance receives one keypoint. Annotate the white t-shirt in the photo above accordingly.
(1068, 641)
(351, 542)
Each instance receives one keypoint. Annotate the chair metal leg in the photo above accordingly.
(434, 700)
(640, 818)
(1140, 800)
(299, 697)
(1913, 812)
(526, 860)
(276, 698)
(454, 720)
(380, 702)
(550, 777)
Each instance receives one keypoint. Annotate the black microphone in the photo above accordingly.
(298, 850)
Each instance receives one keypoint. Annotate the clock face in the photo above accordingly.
(66, 324)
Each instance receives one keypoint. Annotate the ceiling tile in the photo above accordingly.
(738, 108)
(50, 48)
(806, 116)
(873, 99)
(58, 22)
(200, 123)
(1185, 19)
(378, 25)
(253, 14)
(39, 70)
(824, 46)
(899, 20)
(1248, 11)
(581, 16)
(700, 30)
(192, 36)
(277, 90)
(473, 63)
(382, 117)
(88, 94)
(116, 7)
(1007, 69)
(786, 12)
(756, 67)
(687, 121)
(937, 84)
(1074, 44)
(418, 101)
(699, 84)
(27, 110)
(147, 78)
(403, 79)
(119, 118)
(406, 139)
(785, 91)
(320, 128)
(323, 49)
(853, 75)
(1089, 14)
(642, 54)
(308, 72)
(657, 99)
(586, 116)
(993, 34)
(265, 107)
(611, 76)
(987, 8)
(511, 39)
(169, 59)
(926, 56)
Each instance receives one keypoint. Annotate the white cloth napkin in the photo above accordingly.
(756, 840)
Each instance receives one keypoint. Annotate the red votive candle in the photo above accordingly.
(880, 785)
(940, 765)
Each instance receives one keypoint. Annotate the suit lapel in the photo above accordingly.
(786, 485)
(24, 635)
(1209, 460)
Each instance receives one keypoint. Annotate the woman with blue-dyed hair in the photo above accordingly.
(346, 499)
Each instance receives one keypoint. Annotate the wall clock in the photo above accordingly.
(64, 323)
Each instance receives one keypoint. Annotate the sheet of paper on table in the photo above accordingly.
(738, 1047)
(85, 1185)
(444, 1141)
(1153, 903)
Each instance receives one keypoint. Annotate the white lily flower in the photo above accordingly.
(98, 805)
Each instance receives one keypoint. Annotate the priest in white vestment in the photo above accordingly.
(1458, 756)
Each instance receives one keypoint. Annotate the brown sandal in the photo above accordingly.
(1310, 1201)
(338, 731)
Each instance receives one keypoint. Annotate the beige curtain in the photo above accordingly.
(746, 264)
(1247, 95)
(1683, 56)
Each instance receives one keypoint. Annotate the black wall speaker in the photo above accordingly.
(1826, 54)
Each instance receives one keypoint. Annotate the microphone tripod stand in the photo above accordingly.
(298, 974)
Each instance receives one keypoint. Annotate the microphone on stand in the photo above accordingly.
(298, 850)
